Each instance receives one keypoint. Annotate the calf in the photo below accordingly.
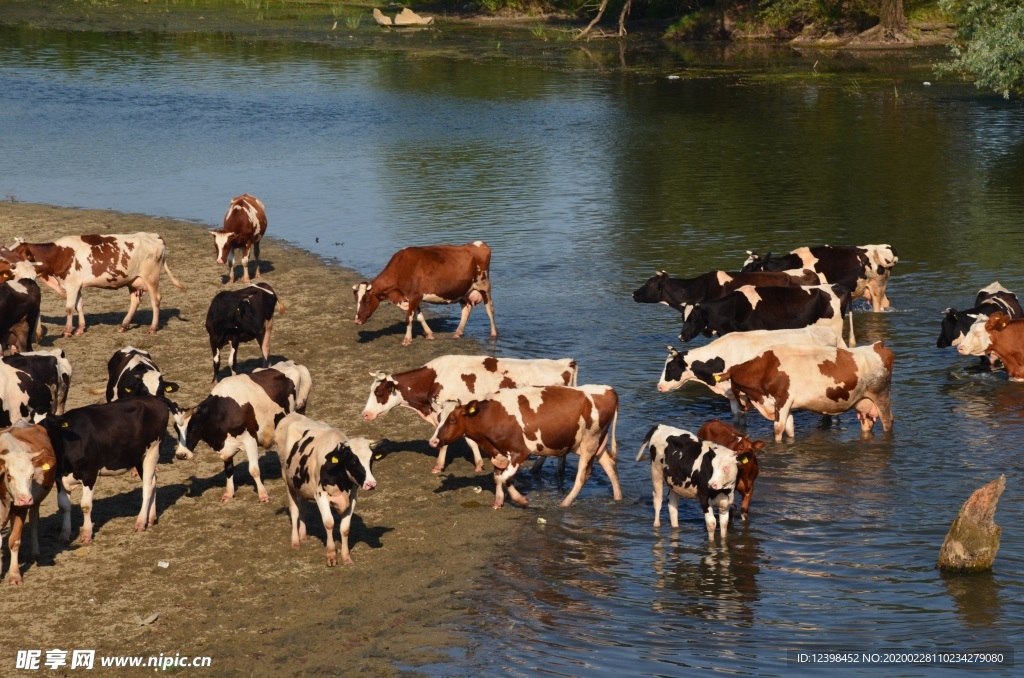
(549, 421)
(245, 223)
(19, 314)
(132, 372)
(701, 364)
(236, 316)
(240, 414)
(863, 270)
(956, 324)
(323, 465)
(462, 378)
(28, 468)
(34, 383)
(74, 262)
(107, 440)
(1001, 336)
(439, 274)
(692, 468)
(770, 308)
(820, 379)
(680, 293)
(717, 431)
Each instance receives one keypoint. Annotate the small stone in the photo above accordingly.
(973, 539)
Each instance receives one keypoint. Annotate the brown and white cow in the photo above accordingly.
(549, 421)
(816, 378)
(28, 469)
(694, 469)
(245, 224)
(460, 377)
(717, 431)
(437, 274)
(863, 270)
(323, 465)
(241, 413)
(1000, 336)
(74, 262)
(33, 383)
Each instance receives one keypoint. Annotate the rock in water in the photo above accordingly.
(973, 540)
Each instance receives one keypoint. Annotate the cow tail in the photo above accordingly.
(614, 447)
(853, 339)
(281, 308)
(647, 441)
(170, 275)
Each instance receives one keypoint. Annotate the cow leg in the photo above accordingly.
(723, 515)
(608, 464)
(216, 363)
(155, 299)
(499, 490)
(147, 471)
(245, 265)
(14, 544)
(256, 251)
(64, 504)
(295, 512)
(442, 455)
(265, 344)
(709, 518)
(466, 308)
(515, 496)
(134, 294)
(74, 295)
(478, 462)
(658, 483)
(33, 525)
(489, 306)
(790, 425)
(252, 452)
(234, 356)
(582, 473)
(346, 525)
(673, 509)
(325, 514)
(231, 265)
(85, 536)
(229, 487)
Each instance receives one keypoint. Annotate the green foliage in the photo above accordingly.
(989, 43)
(792, 13)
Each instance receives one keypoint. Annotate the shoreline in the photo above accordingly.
(235, 590)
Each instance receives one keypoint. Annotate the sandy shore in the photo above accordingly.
(234, 589)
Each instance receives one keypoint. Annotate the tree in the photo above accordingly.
(989, 43)
(892, 18)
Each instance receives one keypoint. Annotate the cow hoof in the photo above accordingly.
(347, 560)
(430, 337)
(457, 335)
(437, 469)
(406, 342)
(522, 501)
(121, 329)
(152, 330)
(224, 498)
(295, 545)
(140, 527)
(65, 538)
(15, 580)
(332, 560)
(497, 506)
(66, 333)
(479, 468)
(264, 498)
(80, 331)
(85, 539)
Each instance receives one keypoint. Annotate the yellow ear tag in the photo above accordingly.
(472, 409)
(65, 424)
(127, 390)
(718, 378)
(46, 467)
(378, 456)
(334, 460)
(743, 459)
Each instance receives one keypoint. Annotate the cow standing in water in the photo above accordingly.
(245, 224)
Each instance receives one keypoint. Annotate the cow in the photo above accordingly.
(956, 324)
(28, 469)
(863, 270)
(107, 440)
(717, 431)
(20, 317)
(438, 274)
(323, 465)
(245, 224)
(551, 421)
(237, 316)
(680, 293)
(701, 364)
(132, 372)
(770, 308)
(1001, 336)
(240, 414)
(692, 468)
(821, 379)
(74, 262)
(462, 378)
(33, 383)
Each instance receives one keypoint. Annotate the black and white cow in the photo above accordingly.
(692, 468)
(33, 383)
(20, 317)
(770, 308)
(241, 413)
(956, 324)
(323, 465)
(682, 292)
(105, 440)
(131, 372)
(237, 316)
(863, 270)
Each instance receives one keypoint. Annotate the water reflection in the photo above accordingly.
(976, 597)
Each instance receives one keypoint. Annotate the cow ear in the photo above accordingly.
(472, 407)
(721, 376)
(757, 445)
(170, 387)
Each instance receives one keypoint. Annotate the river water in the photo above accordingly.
(585, 178)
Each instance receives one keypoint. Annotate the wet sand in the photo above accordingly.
(234, 589)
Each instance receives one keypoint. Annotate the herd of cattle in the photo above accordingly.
(779, 346)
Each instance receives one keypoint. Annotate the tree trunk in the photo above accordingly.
(892, 19)
(600, 13)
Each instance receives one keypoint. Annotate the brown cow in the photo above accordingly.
(28, 469)
(1001, 336)
(439, 274)
(245, 223)
(548, 421)
(717, 431)
(74, 262)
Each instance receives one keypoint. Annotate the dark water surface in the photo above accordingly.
(585, 181)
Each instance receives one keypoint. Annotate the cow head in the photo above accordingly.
(724, 467)
(19, 472)
(680, 368)
(224, 242)
(384, 395)
(755, 262)
(367, 301)
(349, 466)
(695, 321)
(652, 291)
(977, 340)
(954, 326)
(182, 419)
(452, 418)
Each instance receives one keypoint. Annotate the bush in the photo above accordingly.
(989, 43)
